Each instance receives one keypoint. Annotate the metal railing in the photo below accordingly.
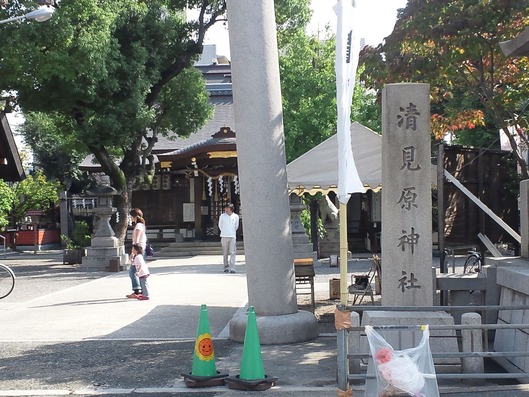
(82, 206)
(474, 349)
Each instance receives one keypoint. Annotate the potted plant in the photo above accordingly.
(76, 244)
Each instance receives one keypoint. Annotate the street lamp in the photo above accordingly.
(41, 14)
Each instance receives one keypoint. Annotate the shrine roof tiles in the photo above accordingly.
(10, 164)
(223, 117)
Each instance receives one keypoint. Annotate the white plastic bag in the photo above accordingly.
(408, 372)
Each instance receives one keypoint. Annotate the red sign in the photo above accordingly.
(34, 213)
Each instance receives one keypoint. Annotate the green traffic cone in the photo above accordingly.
(251, 363)
(204, 358)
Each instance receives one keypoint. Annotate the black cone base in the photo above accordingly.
(237, 383)
(204, 381)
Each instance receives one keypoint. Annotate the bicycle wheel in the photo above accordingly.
(472, 264)
(7, 281)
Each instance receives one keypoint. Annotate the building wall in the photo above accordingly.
(489, 175)
(163, 207)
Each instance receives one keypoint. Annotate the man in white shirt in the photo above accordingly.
(228, 225)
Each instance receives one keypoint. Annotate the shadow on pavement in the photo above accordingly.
(173, 321)
(116, 364)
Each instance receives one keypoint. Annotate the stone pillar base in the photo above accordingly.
(276, 330)
(98, 258)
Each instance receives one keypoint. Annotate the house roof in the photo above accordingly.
(212, 157)
(224, 139)
(218, 85)
(519, 46)
(222, 117)
(10, 164)
(317, 169)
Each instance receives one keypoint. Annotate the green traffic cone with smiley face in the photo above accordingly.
(204, 372)
(204, 357)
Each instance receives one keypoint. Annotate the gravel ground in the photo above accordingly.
(42, 273)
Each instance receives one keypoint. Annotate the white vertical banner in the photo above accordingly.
(347, 49)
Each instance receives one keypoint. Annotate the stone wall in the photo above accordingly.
(513, 280)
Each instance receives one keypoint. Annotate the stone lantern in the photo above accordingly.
(105, 251)
(302, 246)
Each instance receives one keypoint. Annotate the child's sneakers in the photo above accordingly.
(143, 298)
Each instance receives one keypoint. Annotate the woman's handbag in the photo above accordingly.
(149, 250)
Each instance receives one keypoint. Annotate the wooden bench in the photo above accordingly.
(304, 271)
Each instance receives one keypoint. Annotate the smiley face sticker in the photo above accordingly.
(204, 347)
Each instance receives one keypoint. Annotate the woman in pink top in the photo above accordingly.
(139, 237)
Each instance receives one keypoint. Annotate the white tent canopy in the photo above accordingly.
(317, 170)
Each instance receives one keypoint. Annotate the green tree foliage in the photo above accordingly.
(57, 154)
(7, 197)
(308, 84)
(33, 193)
(80, 237)
(292, 18)
(309, 93)
(454, 46)
(365, 108)
(110, 76)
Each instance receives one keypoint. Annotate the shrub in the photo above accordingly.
(80, 237)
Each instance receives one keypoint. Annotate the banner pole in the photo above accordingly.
(343, 254)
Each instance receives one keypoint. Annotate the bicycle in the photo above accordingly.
(473, 262)
(7, 281)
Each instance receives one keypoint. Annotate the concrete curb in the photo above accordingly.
(513, 390)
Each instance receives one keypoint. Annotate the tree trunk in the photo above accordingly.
(500, 114)
(122, 179)
(123, 203)
(314, 210)
(519, 159)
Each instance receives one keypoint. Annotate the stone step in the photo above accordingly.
(193, 248)
(172, 254)
(194, 244)
(303, 248)
(178, 254)
(198, 248)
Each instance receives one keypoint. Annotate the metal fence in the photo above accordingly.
(472, 341)
(76, 208)
(81, 206)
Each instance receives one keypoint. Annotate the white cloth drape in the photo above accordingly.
(347, 48)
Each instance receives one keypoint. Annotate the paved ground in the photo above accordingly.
(64, 331)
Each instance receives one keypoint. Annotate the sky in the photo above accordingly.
(377, 18)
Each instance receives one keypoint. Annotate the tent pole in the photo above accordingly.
(343, 254)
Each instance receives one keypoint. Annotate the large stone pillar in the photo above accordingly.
(262, 172)
(406, 196)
